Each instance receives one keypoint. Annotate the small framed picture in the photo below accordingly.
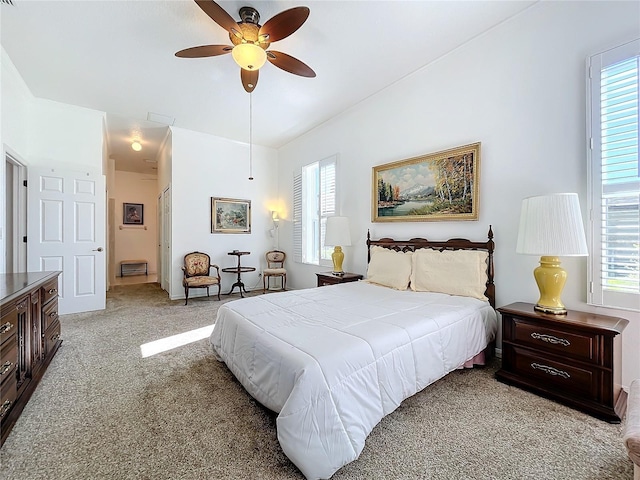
(133, 214)
(229, 215)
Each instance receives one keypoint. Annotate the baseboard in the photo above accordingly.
(498, 353)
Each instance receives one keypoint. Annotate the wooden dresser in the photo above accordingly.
(573, 358)
(29, 338)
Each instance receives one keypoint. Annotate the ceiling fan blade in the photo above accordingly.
(284, 23)
(249, 79)
(204, 51)
(290, 64)
(218, 14)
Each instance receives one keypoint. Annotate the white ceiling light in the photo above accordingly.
(136, 145)
(249, 56)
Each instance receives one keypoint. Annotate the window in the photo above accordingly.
(614, 181)
(314, 199)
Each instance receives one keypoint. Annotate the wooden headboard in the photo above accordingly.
(451, 244)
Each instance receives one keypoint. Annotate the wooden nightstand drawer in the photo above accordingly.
(562, 342)
(328, 278)
(550, 373)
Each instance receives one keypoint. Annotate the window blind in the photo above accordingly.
(314, 200)
(297, 218)
(327, 201)
(615, 181)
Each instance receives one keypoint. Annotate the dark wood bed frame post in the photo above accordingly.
(491, 288)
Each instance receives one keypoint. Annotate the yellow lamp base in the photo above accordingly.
(338, 257)
(550, 277)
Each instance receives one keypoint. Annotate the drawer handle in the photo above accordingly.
(53, 314)
(550, 370)
(551, 339)
(52, 291)
(55, 337)
(5, 408)
(6, 327)
(6, 367)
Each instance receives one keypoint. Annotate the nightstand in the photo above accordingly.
(328, 278)
(573, 358)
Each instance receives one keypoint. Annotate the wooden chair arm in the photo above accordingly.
(213, 265)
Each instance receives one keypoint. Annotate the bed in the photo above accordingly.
(333, 361)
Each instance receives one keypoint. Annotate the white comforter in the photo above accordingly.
(332, 361)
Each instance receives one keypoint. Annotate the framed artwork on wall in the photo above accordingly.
(441, 186)
(229, 215)
(133, 214)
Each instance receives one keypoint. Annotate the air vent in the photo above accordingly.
(159, 118)
(7, 2)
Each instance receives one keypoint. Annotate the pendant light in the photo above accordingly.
(250, 136)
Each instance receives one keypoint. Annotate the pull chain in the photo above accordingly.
(250, 136)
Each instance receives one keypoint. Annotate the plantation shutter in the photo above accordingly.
(615, 183)
(327, 201)
(297, 218)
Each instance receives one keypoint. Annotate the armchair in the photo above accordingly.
(196, 273)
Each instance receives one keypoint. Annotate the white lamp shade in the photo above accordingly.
(249, 56)
(337, 232)
(551, 225)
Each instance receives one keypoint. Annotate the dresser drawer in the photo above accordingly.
(547, 373)
(49, 290)
(49, 315)
(8, 359)
(582, 346)
(8, 394)
(51, 337)
(8, 324)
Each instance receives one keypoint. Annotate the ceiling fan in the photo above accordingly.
(251, 40)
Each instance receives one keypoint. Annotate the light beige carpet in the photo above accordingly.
(104, 412)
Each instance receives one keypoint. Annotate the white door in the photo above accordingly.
(66, 231)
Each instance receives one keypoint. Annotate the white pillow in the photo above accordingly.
(389, 268)
(456, 272)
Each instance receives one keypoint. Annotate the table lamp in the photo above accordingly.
(551, 226)
(337, 235)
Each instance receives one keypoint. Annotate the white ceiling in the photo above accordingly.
(118, 57)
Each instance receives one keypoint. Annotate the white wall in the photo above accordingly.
(520, 90)
(133, 242)
(43, 132)
(205, 166)
(66, 136)
(164, 162)
(15, 105)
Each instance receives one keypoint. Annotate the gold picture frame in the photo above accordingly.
(441, 186)
(229, 215)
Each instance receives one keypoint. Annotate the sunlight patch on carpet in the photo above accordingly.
(174, 341)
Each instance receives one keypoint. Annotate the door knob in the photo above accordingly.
(99, 249)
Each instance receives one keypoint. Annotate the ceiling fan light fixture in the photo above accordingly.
(249, 56)
(136, 145)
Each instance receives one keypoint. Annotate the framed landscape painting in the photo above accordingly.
(230, 216)
(434, 187)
